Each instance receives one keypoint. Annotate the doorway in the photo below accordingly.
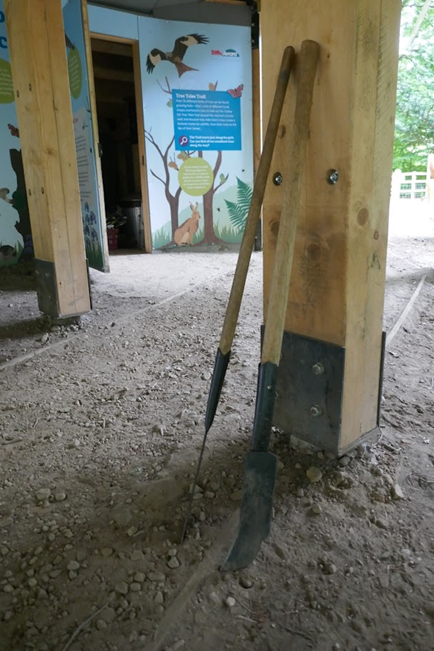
(118, 99)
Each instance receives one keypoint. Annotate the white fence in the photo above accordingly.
(412, 203)
(409, 185)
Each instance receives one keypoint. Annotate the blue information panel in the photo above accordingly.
(207, 120)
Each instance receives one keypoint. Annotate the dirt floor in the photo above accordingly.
(101, 423)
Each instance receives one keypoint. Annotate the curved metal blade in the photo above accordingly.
(218, 376)
(256, 509)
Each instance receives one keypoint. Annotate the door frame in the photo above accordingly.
(146, 221)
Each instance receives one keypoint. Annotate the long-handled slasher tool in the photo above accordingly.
(260, 464)
(246, 248)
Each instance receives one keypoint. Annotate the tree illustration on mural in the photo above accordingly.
(209, 236)
(172, 198)
(168, 164)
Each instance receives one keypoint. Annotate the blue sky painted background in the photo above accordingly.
(8, 115)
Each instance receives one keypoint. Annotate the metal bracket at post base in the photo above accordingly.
(46, 283)
(48, 300)
(309, 397)
(309, 391)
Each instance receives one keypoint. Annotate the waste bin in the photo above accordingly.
(132, 209)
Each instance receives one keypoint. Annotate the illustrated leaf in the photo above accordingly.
(170, 103)
(6, 86)
(244, 195)
(238, 211)
(75, 72)
(236, 215)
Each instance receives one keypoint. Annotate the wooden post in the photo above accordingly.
(257, 135)
(337, 290)
(39, 68)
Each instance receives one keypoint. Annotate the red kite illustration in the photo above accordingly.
(176, 56)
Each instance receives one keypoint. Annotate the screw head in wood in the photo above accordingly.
(315, 411)
(332, 177)
(277, 178)
(318, 368)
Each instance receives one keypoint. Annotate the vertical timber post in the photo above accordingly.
(40, 75)
(331, 368)
(257, 136)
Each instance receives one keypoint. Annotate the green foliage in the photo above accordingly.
(238, 211)
(414, 130)
(225, 233)
(161, 238)
(94, 256)
(198, 236)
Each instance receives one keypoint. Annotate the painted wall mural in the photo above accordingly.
(86, 163)
(15, 231)
(197, 96)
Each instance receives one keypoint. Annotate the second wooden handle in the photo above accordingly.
(252, 221)
(307, 63)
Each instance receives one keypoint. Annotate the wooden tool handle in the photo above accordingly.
(307, 63)
(239, 281)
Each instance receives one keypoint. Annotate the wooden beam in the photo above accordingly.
(114, 75)
(142, 151)
(337, 289)
(110, 47)
(112, 39)
(95, 133)
(39, 67)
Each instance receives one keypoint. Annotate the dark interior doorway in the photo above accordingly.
(115, 92)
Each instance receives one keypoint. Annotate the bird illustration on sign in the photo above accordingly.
(176, 57)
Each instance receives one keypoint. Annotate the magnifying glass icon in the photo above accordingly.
(183, 141)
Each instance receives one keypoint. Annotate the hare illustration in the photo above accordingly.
(185, 233)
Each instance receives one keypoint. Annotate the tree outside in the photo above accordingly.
(414, 131)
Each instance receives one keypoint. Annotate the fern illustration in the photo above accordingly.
(238, 211)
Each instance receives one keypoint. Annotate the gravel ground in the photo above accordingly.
(101, 422)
